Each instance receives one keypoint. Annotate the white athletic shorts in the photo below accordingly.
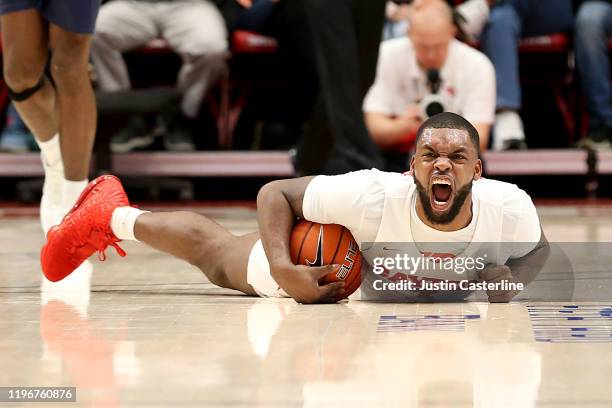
(259, 277)
(258, 274)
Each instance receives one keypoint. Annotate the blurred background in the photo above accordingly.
(217, 97)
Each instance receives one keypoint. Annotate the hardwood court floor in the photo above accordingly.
(149, 330)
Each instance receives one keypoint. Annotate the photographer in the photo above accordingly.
(424, 73)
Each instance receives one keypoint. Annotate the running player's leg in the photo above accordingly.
(25, 52)
(75, 100)
(222, 256)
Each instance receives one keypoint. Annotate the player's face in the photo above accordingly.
(444, 166)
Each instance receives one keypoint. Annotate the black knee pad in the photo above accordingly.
(26, 93)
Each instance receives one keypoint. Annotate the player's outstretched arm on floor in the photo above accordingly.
(279, 203)
(523, 270)
(526, 268)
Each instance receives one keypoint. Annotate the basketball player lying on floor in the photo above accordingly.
(442, 199)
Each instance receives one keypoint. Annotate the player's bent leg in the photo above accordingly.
(102, 217)
(235, 262)
(25, 50)
(220, 255)
(75, 98)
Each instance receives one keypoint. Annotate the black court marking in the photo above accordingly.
(338, 246)
(302, 243)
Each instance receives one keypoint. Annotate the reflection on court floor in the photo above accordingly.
(149, 330)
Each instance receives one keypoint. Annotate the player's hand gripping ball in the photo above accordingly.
(315, 244)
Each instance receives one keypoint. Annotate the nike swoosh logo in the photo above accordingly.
(319, 255)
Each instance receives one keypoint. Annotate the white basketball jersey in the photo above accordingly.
(377, 208)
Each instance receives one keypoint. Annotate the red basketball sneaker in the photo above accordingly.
(84, 230)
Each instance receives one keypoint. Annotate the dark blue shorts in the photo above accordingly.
(77, 16)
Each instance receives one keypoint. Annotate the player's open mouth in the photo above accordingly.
(441, 194)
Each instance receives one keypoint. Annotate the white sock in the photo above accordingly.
(51, 150)
(51, 156)
(71, 190)
(123, 220)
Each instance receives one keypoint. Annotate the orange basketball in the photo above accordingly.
(315, 244)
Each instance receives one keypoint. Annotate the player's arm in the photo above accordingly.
(279, 203)
(523, 270)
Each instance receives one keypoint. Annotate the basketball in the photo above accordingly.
(316, 244)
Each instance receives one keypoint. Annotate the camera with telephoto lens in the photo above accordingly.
(433, 103)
